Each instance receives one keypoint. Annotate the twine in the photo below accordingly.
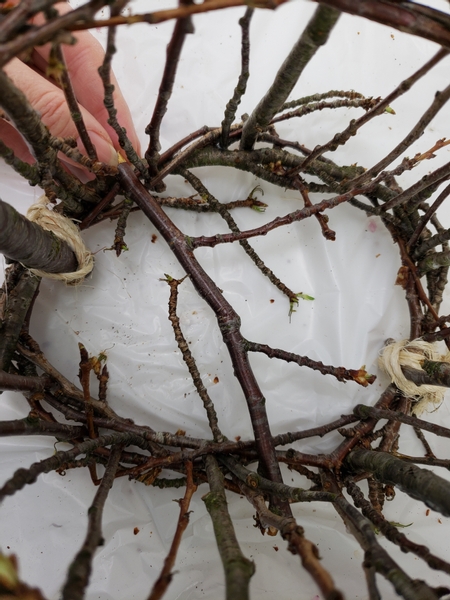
(412, 354)
(64, 229)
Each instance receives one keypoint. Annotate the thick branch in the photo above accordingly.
(21, 383)
(229, 321)
(33, 426)
(238, 569)
(29, 244)
(408, 17)
(315, 35)
(17, 304)
(418, 483)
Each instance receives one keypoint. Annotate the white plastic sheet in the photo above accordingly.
(122, 310)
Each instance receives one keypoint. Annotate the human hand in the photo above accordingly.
(83, 60)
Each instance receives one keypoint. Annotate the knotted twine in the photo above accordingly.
(64, 229)
(412, 354)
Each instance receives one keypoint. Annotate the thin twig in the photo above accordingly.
(239, 91)
(182, 28)
(161, 584)
(190, 361)
(81, 567)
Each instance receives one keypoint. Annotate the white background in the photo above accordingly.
(122, 309)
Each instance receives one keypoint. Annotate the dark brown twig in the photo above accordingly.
(174, 48)
(239, 91)
(161, 584)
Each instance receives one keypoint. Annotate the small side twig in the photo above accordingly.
(190, 361)
(165, 577)
(359, 376)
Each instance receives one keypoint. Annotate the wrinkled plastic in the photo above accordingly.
(122, 311)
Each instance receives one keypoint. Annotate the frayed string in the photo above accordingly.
(396, 355)
(65, 230)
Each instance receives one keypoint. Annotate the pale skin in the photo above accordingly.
(83, 60)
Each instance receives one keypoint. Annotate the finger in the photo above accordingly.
(49, 102)
(12, 138)
(83, 60)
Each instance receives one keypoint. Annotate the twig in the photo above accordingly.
(239, 91)
(81, 567)
(297, 543)
(327, 233)
(375, 556)
(23, 477)
(119, 244)
(286, 492)
(420, 251)
(439, 101)
(393, 534)
(59, 70)
(364, 412)
(84, 376)
(298, 215)
(341, 138)
(190, 361)
(92, 216)
(223, 210)
(105, 75)
(174, 13)
(341, 373)
(165, 577)
(182, 28)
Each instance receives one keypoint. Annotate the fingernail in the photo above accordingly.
(105, 151)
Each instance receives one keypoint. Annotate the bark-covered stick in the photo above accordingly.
(27, 243)
(238, 569)
(418, 483)
(315, 35)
